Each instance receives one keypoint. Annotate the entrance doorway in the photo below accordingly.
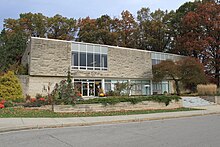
(88, 89)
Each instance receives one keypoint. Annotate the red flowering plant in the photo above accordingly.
(33, 100)
(2, 104)
(38, 101)
(42, 99)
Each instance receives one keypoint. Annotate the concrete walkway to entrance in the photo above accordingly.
(15, 124)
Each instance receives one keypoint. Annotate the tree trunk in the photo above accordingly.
(177, 87)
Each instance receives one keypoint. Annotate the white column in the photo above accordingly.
(151, 87)
(129, 84)
(103, 85)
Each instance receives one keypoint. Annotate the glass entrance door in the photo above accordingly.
(88, 89)
(84, 89)
(91, 89)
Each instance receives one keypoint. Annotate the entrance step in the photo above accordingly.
(195, 101)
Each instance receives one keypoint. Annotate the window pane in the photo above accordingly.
(104, 60)
(75, 59)
(90, 48)
(90, 61)
(104, 50)
(82, 48)
(153, 56)
(162, 56)
(82, 59)
(74, 46)
(158, 56)
(97, 49)
(97, 60)
(154, 61)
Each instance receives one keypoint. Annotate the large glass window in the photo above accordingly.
(90, 61)
(158, 57)
(75, 58)
(97, 60)
(82, 59)
(89, 57)
(104, 60)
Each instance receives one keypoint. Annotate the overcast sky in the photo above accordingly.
(81, 8)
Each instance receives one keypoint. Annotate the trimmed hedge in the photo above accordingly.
(133, 100)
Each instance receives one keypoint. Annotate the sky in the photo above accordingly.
(81, 8)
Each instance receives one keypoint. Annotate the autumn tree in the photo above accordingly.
(188, 71)
(200, 37)
(60, 27)
(87, 30)
(38, 25)
(127, 30)
(154, 29)
(106, 33)
(176, 27)
(28, 23)
(100, 30)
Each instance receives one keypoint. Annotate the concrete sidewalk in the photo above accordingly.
(14, 124)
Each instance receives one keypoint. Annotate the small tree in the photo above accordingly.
(187, 70)
(64, 91)
(10, 88)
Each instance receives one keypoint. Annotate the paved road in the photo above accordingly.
(201, 131)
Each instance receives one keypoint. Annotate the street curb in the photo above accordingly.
(21, 128)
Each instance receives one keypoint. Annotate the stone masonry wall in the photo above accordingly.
(123, 106)
(33, 85)
(49, 57)
(24, 80)
(130, 63)
(40, 84)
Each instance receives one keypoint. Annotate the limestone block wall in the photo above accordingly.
(33, 85)
(40, 84)
(49, 57)
(130, 63)
(24, 81)
(145, 105)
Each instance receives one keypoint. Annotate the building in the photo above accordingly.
(93, 67)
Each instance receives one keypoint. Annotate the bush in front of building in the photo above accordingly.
(10, 87)
(64, 92)
(209, 89)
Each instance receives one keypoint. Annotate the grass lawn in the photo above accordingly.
(28, 113)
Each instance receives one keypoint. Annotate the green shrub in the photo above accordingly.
(10, 88)
(133, 100)
(33, 104)
(9, 104)
(38, 96)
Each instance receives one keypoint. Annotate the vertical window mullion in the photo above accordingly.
(78, 56)
(93, 50)
(86, 57)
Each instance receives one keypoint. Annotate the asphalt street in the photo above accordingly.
(201, 131)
